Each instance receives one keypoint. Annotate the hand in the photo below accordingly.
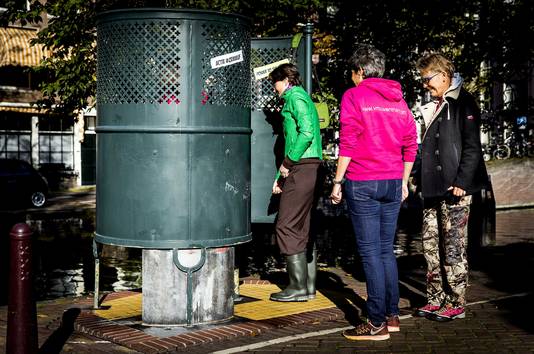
(412, 185)
(336, 194)
(457, 191)
(276, 187)
(405, 191)
(284, 172)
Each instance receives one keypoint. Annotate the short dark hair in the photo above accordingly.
(369, 59)
(288, 71)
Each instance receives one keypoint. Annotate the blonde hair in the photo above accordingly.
(435, 62)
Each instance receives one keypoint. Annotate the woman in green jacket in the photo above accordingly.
(295, 181)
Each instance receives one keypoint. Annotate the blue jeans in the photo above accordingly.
(374, 209)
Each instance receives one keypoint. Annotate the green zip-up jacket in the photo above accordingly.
(301, 127)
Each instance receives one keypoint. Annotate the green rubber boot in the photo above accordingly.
(312, 273)
(298, 273)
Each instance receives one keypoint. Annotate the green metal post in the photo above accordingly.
(308, 32)
(96, 295)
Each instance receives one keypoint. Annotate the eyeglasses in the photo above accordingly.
(426, 79)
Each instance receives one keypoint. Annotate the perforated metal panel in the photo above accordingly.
(266, 122)
(134, 71)
(225, 86)
(173, 147)
(263, 94)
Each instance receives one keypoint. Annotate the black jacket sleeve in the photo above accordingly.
(471, 153)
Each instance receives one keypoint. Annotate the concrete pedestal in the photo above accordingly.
(165, 287)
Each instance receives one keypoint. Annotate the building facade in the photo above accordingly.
(55, 145)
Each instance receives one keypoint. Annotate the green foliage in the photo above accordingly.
(490, 31)
(70, 38)
(495, 32)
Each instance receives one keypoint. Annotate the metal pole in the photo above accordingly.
(308, 32)
(22, 315)
(236, 296)
(189, 271)
(96, 295)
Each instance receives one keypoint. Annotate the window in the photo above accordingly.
(15, 136)
(56, 141)
(90, 123)
(14, 76)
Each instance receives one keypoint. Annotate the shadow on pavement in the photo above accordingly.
(345, 298)
(412, 279)
(518, 311)
(57, 340)
(510, 269)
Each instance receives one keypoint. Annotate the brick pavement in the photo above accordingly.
(512, 181)
(495, 323)
(487, 328)
(498, 321)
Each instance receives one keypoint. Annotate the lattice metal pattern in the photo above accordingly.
(228, 85)
(263, 94)
(139, 62)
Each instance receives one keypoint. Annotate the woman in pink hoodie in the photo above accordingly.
(378, 144)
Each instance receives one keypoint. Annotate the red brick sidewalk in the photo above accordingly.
(513, 182)
(134, 338)
(500, 292)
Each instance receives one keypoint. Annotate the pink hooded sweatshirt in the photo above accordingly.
(378, 131)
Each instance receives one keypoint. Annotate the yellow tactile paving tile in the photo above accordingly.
(263, 308)
(124, 307)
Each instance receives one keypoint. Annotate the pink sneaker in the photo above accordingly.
(449, 313)
(426, 310)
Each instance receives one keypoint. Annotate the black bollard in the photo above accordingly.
(22, 316)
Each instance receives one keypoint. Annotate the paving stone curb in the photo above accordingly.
(89, 323)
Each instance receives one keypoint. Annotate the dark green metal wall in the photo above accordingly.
(267, 142)
(88, 152)
(173, 134)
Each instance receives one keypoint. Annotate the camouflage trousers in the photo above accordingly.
(445, 251)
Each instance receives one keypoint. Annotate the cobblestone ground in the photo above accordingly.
(488, 328)
(512, 181)
(499, 317)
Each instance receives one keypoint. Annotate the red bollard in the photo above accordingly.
(22, 316)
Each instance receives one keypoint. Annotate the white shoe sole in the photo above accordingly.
(368, 337)
(445, 319)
